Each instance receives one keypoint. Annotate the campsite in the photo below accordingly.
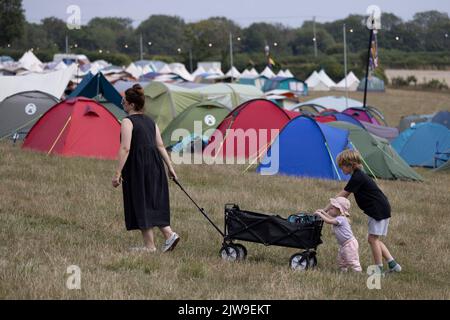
(260, 143)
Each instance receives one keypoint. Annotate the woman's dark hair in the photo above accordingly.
(136, 96)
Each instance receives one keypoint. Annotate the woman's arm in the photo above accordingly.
(164, 155)
(126, 132)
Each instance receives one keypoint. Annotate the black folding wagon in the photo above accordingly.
(298, 231)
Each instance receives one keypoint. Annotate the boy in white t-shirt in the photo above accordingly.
(337, 215)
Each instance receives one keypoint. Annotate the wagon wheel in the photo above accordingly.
(229, 253)
(242, 251)
(302, 261)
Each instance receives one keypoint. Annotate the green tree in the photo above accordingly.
(165, 33)
(12, 21)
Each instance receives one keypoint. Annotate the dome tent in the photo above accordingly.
(307, 149)
(380, 159)
(19, 112)
(76, 127)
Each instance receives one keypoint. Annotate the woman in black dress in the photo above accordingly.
(142, 174)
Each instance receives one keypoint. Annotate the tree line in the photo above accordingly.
(422, 41)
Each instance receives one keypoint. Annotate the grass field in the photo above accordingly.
(57, 212)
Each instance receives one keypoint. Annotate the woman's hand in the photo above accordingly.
(172, 174)
(117, 180)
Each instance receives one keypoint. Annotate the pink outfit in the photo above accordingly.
(348, 257)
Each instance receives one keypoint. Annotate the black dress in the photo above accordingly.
(145, 187)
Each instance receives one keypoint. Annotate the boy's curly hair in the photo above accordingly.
(350, 158)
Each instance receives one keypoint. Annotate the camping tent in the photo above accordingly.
(426, 144)
(94, 85)
(208, 113)
(412, 120)
(53, 83)
(290, 84)
(442, 117)
(77, 127)
(316, 83)
(246, 132)
(326, 79)
(230, 95)
(385, 132)
(362, 114)
(380, 159)
(268, 73)
(374, 84)
(330, 102)
(349, 83)
(306, 148)
(19, 112)
(165, 101)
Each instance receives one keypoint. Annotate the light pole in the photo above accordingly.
(345, 65)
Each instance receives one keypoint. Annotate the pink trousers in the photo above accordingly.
(348, 256)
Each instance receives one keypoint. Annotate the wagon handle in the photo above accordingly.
(200, 209)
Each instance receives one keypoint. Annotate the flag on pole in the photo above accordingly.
(373, 60)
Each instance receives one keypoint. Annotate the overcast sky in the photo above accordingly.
(243, 12)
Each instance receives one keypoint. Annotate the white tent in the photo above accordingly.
(216, 71)
(326, 79)
(200, 70)
(281, 74)
(234, 73)
(352, 83)
(30, 62)
(53, 83)
(288, 73)
(135, 71)
(254, 73)
(247, 74)
(165, 69)
(315, 83)
(268, 73)
(180, 70)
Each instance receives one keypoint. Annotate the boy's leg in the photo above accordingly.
(377, 252)
(385, 252)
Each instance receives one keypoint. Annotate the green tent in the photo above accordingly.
(380, 159)
(165, 101)
(209, 113)
(229, 94)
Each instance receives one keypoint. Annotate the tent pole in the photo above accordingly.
(367, 68)
(345, 66)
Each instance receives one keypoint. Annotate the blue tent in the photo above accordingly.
(426, 144)
(308, 149)
(92, 86)
(374, 84)
(442, 117)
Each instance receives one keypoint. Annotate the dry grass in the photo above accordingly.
(57, 212)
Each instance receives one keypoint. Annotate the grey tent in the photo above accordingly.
(19, 112)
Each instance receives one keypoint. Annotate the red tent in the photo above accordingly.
(76, 127)
(246, 131)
